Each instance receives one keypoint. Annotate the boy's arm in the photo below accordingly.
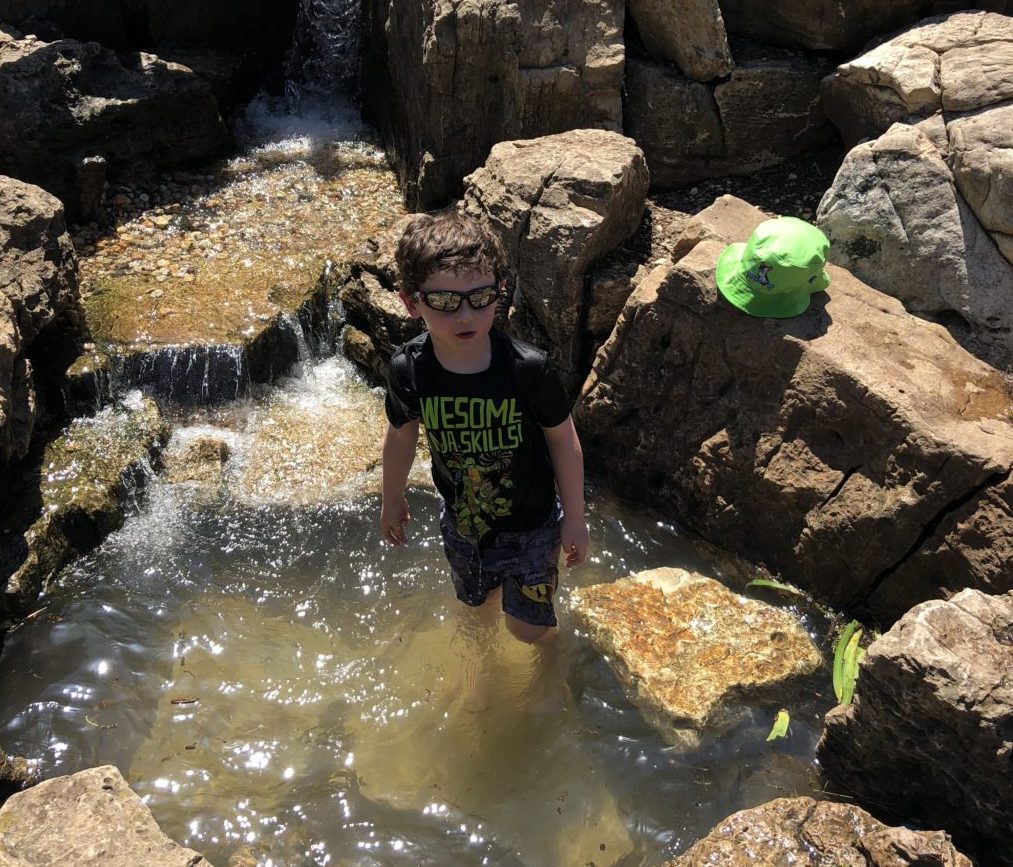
(568, 468)
(399, 444)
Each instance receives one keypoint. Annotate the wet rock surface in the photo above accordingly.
(845, 448)
(91, 817)
(38, 291)
(929, 737)
(691, 650)
(802, 831)
(67, 500)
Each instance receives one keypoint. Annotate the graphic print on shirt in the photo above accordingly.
(476, 438)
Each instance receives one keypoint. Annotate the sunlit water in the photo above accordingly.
(275, 682)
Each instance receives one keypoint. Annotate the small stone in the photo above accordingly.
(162, 221)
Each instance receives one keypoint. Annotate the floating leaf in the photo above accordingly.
(776, 585)
(852, 654)
(842, 643)
(780, 728)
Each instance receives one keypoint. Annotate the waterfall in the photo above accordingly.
(326, 49)
(194, 374)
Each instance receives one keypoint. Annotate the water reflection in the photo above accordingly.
(282, 689)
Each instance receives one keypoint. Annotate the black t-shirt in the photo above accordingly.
(490, 460)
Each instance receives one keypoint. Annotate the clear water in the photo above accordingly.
(276, 683)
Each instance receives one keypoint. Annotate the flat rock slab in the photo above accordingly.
(929, 737)
(89, 818)
(687, 647)
(808, 833)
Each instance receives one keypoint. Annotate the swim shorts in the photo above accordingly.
(524, 562)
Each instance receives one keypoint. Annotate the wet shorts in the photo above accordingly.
(525, 563)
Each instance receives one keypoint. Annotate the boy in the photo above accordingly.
(498, 425)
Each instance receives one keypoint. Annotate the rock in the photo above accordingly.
(38, 290)
(558, 203)
(689, 33)
(802, 832)
(952, 63)
(766, 112)
(15, 774)
(200, 459)
(91, 817)
(444, 82)
(929, 737)
(829, 25)
(63, 104)
(981, 154)
(74, 497)
(690, 650)
(896, 221)
(846, 449)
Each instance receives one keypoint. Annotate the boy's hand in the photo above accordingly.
(393, 518)
(574, 538)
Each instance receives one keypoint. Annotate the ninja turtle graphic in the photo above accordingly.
(760, 276)
(480, 484)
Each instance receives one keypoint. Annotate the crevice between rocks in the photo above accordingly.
(928, 531)
(839, 486)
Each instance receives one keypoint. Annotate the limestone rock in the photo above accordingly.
(74, 497)
(765, 113)
(897, 220)
(689, 648)
(64, 103)
(951, 63)
(829, 25)
(929, 737)
(444, 81)
(847, 448)
(689, 33)
(201, 459)
(558, 203)
(88, 818)
(808, 833)
(38, 288)
(981, 154)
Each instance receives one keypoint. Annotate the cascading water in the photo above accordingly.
(326, 50)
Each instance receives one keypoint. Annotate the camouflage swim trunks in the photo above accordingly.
(525, 563)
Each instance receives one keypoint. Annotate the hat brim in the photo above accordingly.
(733, 285)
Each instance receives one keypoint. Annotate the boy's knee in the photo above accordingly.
(529, 633)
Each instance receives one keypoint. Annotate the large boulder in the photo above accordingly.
(691, 651)
(558, 203)
(929, 737)
(38, 292)
(689, 33)
(830, 25)
(767, 111)
(91, 817)
(925, 213)
(72, 113)
(808, 833)
(445, 81)
(856, 449)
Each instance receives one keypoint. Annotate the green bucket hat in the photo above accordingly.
(776, 270)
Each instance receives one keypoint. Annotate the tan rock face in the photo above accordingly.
(688, 647)
(690, 33)
(810, 833)
(558, 203)
(856, 449)
(90, 817)
(444, 81)
(929, 737)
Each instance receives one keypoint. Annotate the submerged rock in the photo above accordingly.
(929, 737)
(91, 817)
(76, 494)
(808, 833)
(692, 651)
(855, 449)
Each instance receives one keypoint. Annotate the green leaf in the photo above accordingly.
(776, 585)
(850, 671)
(780, 728)
(842, 643)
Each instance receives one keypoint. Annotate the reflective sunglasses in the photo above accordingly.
(446, 301)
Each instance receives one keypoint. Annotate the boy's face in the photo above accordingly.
(465, 327)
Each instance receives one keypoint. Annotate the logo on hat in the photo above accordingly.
(776, 270)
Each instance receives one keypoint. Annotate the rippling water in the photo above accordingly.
(276, 683)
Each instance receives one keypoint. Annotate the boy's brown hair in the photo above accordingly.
(446, 241)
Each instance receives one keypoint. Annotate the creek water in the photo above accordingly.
(281, 689)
